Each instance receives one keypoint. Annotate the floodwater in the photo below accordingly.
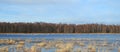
(59, 42)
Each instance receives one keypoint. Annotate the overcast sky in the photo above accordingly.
(61, 11)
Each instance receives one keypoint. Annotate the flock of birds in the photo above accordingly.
(59, 45)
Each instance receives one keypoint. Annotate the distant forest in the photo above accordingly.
(40, 27)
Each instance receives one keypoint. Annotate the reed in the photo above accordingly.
(59, 45)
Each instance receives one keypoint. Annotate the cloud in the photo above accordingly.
(37, 1)
(65, 11)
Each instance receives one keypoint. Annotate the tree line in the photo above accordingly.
(41, 27)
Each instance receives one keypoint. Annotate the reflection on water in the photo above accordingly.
(59, 45)
(59, 42)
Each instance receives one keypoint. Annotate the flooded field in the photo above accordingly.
(60, 43)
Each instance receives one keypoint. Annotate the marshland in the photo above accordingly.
(59, 25)
(60, 43)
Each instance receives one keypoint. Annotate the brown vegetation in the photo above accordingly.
(61, 45)
(57, 28)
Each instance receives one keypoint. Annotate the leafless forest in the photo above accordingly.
(40, 27)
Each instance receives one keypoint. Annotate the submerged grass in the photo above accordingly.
(58, 45)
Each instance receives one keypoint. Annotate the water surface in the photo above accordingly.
(51, 42)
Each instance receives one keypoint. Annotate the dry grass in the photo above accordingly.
(59, 45)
